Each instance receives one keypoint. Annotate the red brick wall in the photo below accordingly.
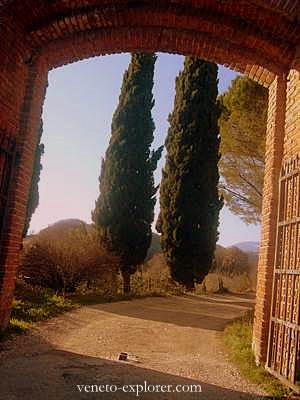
(13, 77)
(27, 119)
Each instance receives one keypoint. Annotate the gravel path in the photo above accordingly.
(170, 341)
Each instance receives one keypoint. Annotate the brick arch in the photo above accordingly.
(255, 33)
(257, 37)
(96, 43)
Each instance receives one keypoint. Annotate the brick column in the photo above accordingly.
(292, 121)
(26, 145)
(273, 160)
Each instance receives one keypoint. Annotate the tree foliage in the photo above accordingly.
(189, 200)
(243, 128)
(33, 200)
(124, 210)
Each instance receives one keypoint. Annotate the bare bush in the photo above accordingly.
(230, 262)
(67, 260)
(154, 278)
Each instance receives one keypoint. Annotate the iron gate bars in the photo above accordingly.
(283, 358)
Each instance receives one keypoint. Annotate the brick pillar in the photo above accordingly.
(26, 145)
(273, 160)
(292, 122)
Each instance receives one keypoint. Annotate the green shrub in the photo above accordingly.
(32, 304)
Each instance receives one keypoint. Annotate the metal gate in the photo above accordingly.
(7, 156)
(283, 358)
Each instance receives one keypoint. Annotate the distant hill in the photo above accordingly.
(248, 247)
(62, 227)
(65, 224)
(57, 230)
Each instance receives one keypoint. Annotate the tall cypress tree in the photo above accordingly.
(189, 200)
(124, 210)
(34, 197)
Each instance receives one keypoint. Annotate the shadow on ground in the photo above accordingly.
(206, 312)
(49, 374)
(82, 347)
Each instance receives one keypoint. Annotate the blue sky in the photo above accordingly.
(80, 101)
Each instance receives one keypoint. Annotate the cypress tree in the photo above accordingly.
(34, 197)
(124, 210)
(189, 200)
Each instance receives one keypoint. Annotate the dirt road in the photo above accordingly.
(170, 341)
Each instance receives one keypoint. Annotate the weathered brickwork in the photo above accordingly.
(13, 75)
(273, 160)
(29, 116)
(258, 38)
(292, 122)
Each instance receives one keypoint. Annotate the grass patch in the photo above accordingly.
(32, 304)
(238, 342)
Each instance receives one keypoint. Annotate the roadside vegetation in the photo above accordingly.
(238, 343)
(63, 267)
(67, 257)
(32, 304)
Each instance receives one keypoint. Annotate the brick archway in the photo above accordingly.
(255, 37)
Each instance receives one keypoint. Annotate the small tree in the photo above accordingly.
(189, 200)
(230, 261)
(124, 210)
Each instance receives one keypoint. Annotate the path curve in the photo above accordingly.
(170, 341)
